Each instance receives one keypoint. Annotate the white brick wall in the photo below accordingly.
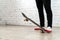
(56, 12)
(10, 12)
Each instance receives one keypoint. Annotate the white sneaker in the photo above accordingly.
(48, 29)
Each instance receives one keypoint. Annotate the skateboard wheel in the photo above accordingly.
(26, 20)
(42, 32)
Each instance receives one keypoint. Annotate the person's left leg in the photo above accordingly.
(47, 5)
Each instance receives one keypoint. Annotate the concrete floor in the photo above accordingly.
(27, 33)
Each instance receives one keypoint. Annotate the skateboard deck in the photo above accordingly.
(28, 19)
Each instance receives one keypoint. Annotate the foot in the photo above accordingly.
(37, 28)
(48, 29)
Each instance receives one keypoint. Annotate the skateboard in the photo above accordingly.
(28, 19)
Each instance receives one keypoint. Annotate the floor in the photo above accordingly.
(27, 33)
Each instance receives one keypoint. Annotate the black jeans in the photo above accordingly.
(47, 6)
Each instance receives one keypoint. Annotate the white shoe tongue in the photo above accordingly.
(49, 28)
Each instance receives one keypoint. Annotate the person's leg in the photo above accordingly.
(40, 10)
(39, 4)
(47, 5)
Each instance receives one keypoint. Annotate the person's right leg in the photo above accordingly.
(40, 10)
(39, 4)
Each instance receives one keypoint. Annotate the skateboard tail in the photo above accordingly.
(24, 15)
